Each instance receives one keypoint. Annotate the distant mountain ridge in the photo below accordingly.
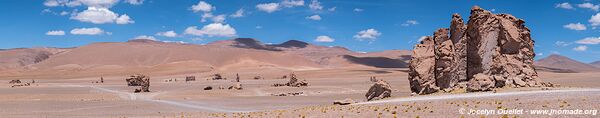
(565, 64)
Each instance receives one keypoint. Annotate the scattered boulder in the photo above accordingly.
(237, 77)
(379, 90)
(288, 94)
(258, 77)
(496, 47)
(15, 81)
(293, 82)
(190, 78)
(135, 80)
(346, 101)
(208, 88)
(218, 77)
(236, 86)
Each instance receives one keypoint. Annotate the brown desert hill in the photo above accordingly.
(155, 57)
(21, 57)
(560, 63)
(595, 64)
(147, 56)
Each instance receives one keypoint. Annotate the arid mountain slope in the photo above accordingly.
(562, 63)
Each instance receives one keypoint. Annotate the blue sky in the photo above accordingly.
(558, 27)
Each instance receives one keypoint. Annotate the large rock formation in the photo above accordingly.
(491, 51)
(421, 68)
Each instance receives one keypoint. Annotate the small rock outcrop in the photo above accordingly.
(139, 80)
(293, 82)
(346, 101)
(14, 81)
(218, 77)
(135, 80)
(190, 78)
(491, 51)
(379, 90)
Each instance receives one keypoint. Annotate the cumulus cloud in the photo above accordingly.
(565, 5)
(145, 37)
(410, 22)
(167, 34)
(292, 3)
(589, 40)
(314, 17)
(98, 15)
(268, 7)
(315, 5)
(358, 10)
(580, 48)
(589, 6)
(55, 33)
(595, 20)
(324, 39)
(212, 30)
(575, 26)
(135, 2)
(203, 7)
(369, 34)
(238, 13)
(87, 31)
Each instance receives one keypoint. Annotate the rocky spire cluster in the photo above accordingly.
(490, 51)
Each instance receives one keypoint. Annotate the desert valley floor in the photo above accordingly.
(81, 97)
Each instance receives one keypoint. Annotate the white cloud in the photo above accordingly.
(561, 43)
(52, 3)
(589, 40)
(146, 37)
(219, 18)
(268, 7)
(167, 34)
(324, 39)
(258, 27)
(358, 10)
(589, 6)
(314, 17)
(315, 5)
(135, 2)
(292, 3)
(74, 3)
(55, 33)
(595, 20)
(369, 34)
(580, 48)
(124, 19)
(202, 6)
(410, 22)
(87, 31)
(64, 13)
(331, 9)
(575, 26)
(205, 16)
(565, 5)
(98, 15)
(539, 54)
(238, 13)
(210, 30)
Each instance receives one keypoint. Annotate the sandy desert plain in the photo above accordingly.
(72, 91)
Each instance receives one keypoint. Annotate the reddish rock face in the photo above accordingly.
(496, 47)
(422, 66)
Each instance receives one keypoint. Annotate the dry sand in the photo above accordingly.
(80, 97)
